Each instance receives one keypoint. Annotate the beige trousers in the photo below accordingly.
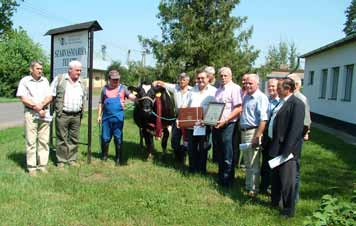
(252, 162)
(37, 136)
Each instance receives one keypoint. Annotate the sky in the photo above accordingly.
(309, 24)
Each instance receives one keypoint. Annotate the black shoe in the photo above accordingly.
(104, 150)
(118, 151)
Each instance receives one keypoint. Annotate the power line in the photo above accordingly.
(51, 16)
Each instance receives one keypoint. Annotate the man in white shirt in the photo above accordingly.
(69, 105)
(201, 96)
(181, 94)
(35, 94)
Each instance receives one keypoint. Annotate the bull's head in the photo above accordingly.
(145, 94)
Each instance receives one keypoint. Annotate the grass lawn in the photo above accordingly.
(8, 100)
(157, 191)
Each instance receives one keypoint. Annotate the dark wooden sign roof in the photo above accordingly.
(91, 26)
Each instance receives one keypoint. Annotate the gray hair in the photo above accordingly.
(183, 76)
(74, 63)
(255, 76)
(33, 63)
(296, 79)
(272, 80)
(209, 70)
(226, 70)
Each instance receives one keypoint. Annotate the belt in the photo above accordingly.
(248, 128)
(71, 113)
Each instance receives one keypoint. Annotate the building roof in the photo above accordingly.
(340, 42)
(283, 74)
(91, 25)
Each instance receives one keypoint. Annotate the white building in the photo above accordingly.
(329, 83)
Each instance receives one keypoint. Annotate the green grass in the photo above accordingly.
(157, 191)
(8, 100)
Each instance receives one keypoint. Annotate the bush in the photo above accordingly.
(332, 212)
(17, 50)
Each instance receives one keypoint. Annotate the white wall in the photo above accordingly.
(336, 57)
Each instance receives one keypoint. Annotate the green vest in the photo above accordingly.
(60, 91)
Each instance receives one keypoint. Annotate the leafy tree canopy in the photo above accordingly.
(199, 33)
(282, 55)
(17, 50)
(350, 16)
(7, 9)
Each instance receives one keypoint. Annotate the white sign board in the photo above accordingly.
(68, 47)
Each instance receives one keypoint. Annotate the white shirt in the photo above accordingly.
(181, 97)
(202, 98)
(73, 96)
(35, 90)
(274, 113)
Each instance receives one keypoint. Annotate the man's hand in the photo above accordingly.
(38, 107)
(255, 142)
(42, 113)
(221, 123)
(99, 119)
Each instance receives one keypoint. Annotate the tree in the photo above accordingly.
(280, 55)
(7, 9)
(350, 17)
(198, 33)
(17, 50)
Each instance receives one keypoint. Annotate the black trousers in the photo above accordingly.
(265, 172)
(283, 186)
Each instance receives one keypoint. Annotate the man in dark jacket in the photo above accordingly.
(284, 136)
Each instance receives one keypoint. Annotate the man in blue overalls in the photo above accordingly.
(111, 114)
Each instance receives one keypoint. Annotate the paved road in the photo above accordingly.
(11, 114)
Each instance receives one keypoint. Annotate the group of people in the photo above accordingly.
(67, 92)
(271, 126)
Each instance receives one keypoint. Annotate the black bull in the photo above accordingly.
(145, 114)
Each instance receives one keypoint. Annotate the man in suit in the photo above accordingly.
(284, 136)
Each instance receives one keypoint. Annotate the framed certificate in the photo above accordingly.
(188, 117)
(213, 113)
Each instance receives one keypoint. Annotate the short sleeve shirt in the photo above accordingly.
(254, 109)
(202, 98)
(35, 90)
(230, 94)
(180, 98)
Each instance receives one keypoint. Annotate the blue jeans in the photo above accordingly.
(226, 151)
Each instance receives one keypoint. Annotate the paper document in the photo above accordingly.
(245, 146)
(279, 160)
(47, 118)
(199, 131)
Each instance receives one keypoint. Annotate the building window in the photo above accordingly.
(311, 78)
(348, 82)
(324, 82)
(335, 83)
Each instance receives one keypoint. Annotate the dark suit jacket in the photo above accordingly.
(287, 130)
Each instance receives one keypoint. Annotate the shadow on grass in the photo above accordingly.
(328, 166)
(19, 158)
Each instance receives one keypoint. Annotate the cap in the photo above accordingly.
(114, 74)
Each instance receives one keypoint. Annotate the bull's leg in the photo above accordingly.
(165, 140)
(149, 142)
(141, 137)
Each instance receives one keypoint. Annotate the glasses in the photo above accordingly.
(201, 78)
(223, 75)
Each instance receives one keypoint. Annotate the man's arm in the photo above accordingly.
(100, 111)
(259, 132)
(232, 115)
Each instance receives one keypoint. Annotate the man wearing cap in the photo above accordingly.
(111, 115)
(181, 94)
(35, 94)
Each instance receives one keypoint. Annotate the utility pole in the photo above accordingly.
(128, 57)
